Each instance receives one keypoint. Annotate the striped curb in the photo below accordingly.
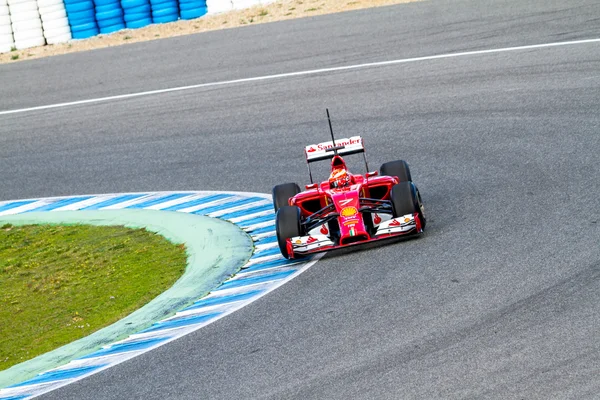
(265, 271)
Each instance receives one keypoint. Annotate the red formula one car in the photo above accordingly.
(346, 209)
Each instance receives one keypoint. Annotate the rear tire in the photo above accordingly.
(397, 168)
(287, 224)
(282, 194)
(406, 200)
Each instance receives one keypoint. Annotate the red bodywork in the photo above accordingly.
(345, 199)
(347, 209)
(353, 226)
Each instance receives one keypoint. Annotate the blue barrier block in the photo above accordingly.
(165, 18)
(139, 23)
(82, 15)
(79, 6)
(193, 13)
(133, 3)
(83, 27)
(82, 21)
(165, 6)
(163, 3)
(196, 3)
(106, 23)
(84, 34)
(112, 28)
(102, 3)
(165, 11)
(162, 6)
(135, 17)
(145, 9)
(191, 5)
(110, 8)
(116, 13)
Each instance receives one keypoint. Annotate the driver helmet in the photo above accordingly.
(339, 178)
(339, 173)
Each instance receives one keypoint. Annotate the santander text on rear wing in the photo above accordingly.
(326, 150)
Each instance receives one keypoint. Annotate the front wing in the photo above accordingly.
(408, 224)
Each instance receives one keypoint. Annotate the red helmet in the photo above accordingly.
(339, 178)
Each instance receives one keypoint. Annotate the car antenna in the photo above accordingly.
(331, 130)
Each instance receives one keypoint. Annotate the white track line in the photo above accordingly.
(299, 73)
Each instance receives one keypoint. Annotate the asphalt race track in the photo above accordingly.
(500, 298)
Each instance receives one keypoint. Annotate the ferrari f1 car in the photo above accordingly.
(347, 209)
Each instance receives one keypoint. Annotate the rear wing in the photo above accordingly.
(326, 150)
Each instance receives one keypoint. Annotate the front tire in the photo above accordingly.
(287, 224)
(282, 194)
(406, 199)
(397, 168)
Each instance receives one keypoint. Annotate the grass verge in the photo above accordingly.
(61, 283)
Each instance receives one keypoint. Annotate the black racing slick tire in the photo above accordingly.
(282, 193)
(397, 168)
(287, 224)
(406, 200)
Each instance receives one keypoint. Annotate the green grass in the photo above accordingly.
(61, 283)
